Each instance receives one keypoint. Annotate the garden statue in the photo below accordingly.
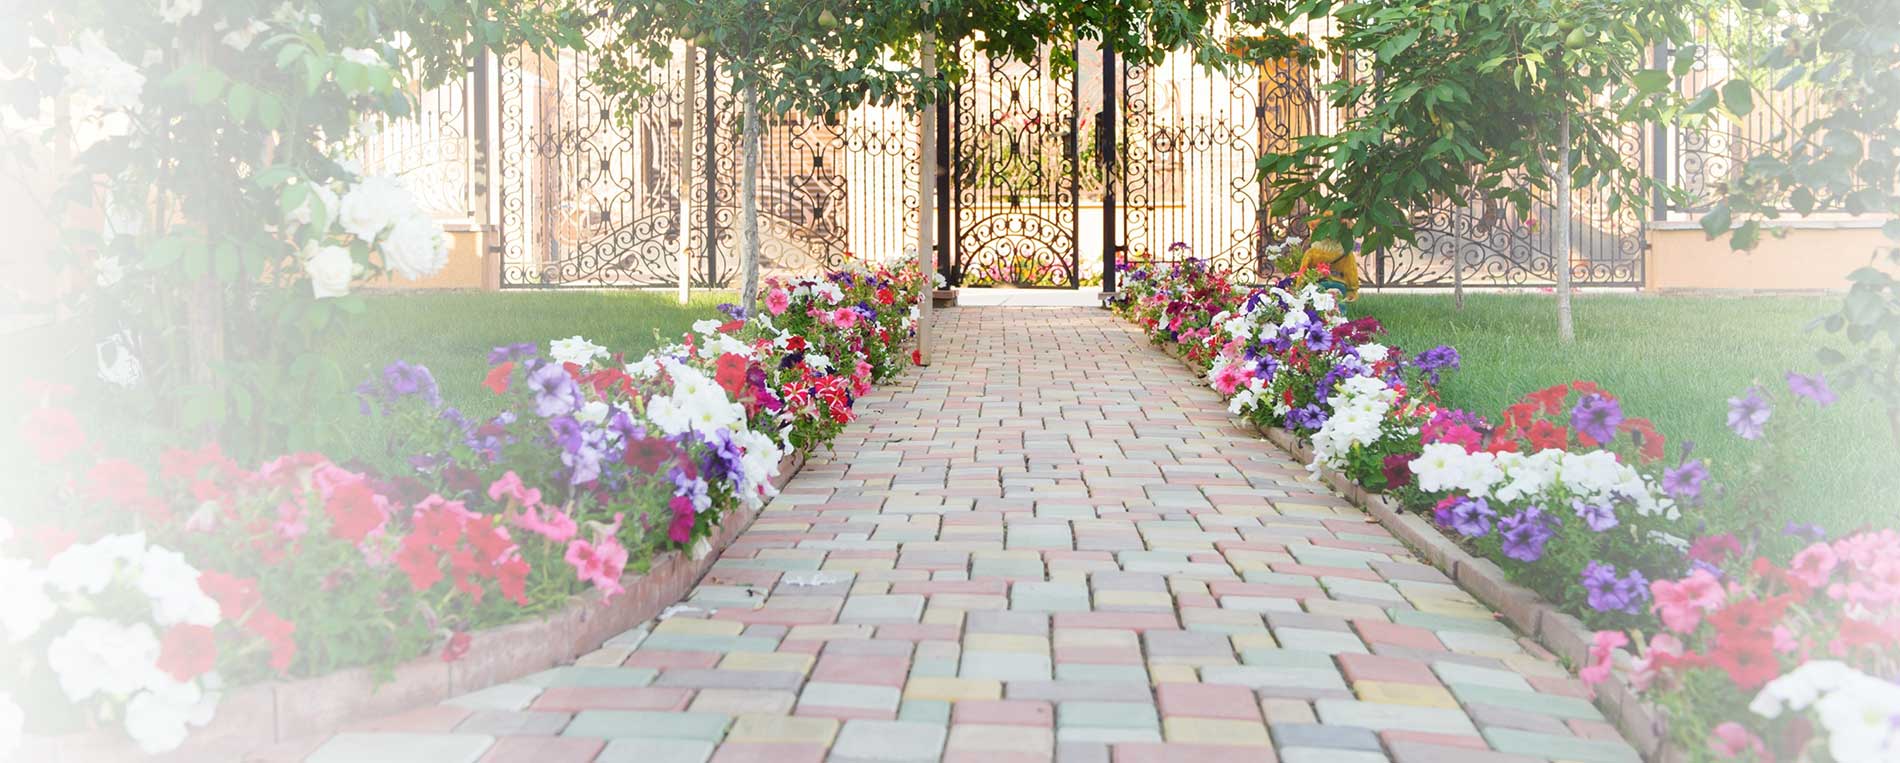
(1338, 268)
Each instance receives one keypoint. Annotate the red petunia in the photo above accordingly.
(355, 510)
(188, 651)
(123, 484)
(797, 343)
(278, 632)
(234, 595)
(512, 577)
(680, 530)
(1749, 662)
(1650, 443)
(1544, 435)
(499, 377)
(730, 372)
(421, 563)
(647, 454)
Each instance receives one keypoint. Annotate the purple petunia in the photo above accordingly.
(555, 393)
(1812, 387)
(1309, 416)
(1436, 360)
(1748, 413)
(1597, 417)
(1683, 482)
(1608, 592)
(1599, 517)
(509, 352)
(1804, 530)
(1525, 534)
(1471, 517)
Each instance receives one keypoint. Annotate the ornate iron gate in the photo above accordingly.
(589, 186)
(1015, 174)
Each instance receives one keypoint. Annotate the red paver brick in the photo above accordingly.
(1408, 636)
(861, 669)
(1156, 752)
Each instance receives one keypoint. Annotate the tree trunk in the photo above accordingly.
(749, 210)
(1560, 252)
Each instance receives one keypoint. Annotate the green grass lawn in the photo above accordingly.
(452, 332)
(1675, 360)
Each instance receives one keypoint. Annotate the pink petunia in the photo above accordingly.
(777, 301)
(1813, 565)
(1680, 604)
(1730, 739)
(1602, 654)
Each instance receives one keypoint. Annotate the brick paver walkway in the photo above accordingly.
(1053, 543)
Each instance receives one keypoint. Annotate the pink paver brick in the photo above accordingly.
(861, 669)
(421, 719)
(1441, 740)
(543, 750)
(1208, 701)
(1371, 667)
(1004, 712)
(1408, 636)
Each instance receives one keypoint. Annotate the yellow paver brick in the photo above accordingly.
(779, 662)
(953, 689)
(1172, 674)
(1215, 731)
(1392, 693)
(783, 729)
(687, 626)
(1005, 642)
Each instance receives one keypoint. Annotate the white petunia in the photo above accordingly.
(575, 349)
(1372, 352)
(28, 607)
(172, 585)
(100, 656)
(706, 326)
(12, 726)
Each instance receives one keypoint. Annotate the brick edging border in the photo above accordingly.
(1642, 724)
(257, 716)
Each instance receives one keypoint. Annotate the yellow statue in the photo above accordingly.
(1338, 268)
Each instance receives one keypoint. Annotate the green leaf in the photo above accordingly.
(1715, 222)
(1703, 102)
(1651, 81)
(1738, 97)
(240, 100)
(1863, 307)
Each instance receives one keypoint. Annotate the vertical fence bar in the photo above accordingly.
(712, 172)
(684, 221)
(1105, 152)
(481, 171)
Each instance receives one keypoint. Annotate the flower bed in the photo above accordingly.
(158, 588)
(1566, 495)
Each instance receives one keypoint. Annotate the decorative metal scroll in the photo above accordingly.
(1015, 175)
(589, 185)
(429, 150)
(1190, 140)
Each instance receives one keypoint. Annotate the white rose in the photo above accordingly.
(320, 195)
(331, 270)
(12, 726)
(416, 248)
(94, 69)
(241, 37)
(372, 206)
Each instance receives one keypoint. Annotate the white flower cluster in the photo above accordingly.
(696, 404)
(1595, 475)
(1359, 404)
(719, 342)
(102, 84)
(1858, 710)
(575, 349)
(831, 293)
(111, 658)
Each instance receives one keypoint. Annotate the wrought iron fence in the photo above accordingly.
(431, 149)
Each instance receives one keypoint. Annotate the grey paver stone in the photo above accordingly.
(618, 724)
(655, 751)
(889, 741)
(401, 748)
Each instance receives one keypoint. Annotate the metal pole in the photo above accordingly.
(926, 201)
(481, 158)
(712, 173)
(684, 222)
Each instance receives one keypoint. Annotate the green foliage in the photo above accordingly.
(1462, 99)
(201, 186)
(1842, 156)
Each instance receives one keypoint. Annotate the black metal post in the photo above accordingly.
(712, 172)
(943, 239)
(1106, 152)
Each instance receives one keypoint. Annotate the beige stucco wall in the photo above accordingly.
(1809, 255)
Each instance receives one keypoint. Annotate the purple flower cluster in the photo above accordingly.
(1596, 416)
(1470, 517)
(1526, 532)
(555, 393)
(1683, 481)
(1436, 360)
(1609, 592)
(1599, 517)
(1812, 387)
(397, 381)
(1748, 413)
(1309, 416)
